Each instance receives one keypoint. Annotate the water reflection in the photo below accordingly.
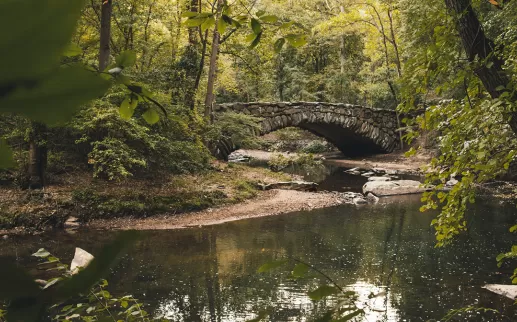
(209, 274)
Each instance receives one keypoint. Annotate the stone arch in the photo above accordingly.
(353, 129)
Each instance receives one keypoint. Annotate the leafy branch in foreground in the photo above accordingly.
(28, 301)
(257, 23)
(344, 308)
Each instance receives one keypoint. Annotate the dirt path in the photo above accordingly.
(269, 203)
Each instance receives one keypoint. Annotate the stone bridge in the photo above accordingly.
(355, 130)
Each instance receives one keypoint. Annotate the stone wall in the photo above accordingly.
(351, 128)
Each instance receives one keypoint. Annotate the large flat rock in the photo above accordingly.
(393, 188)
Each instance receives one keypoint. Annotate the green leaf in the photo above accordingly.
(209, 22)
(227, 19)
(256, 26)
(256, 41)
(72, 50)
(500, 88)
(151, 116)
(287, 25)
(34, 35)
(296, 40)
(124, 304)
(6, 155)
(279, 44)
(41, 253)
(195, 22)
(251, 37)
(125, 110)
(513, 228)
(271, 265)
(300, 270)
(322, 291)
(189, 14)
(56, 98)
(126, 59)
(221, 26)
(269, 19)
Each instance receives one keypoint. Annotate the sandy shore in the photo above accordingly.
(269, 203)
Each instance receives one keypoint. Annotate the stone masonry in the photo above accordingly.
(353, 129)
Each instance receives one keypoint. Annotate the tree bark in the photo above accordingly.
(476, 44)
(395, 45)
(209, 99)
(37, 155)
(104, 48)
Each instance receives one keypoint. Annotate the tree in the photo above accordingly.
(105, 33)
(481, 51)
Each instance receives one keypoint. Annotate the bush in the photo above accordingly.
(316, 147)
(240, 129)
(118, 149)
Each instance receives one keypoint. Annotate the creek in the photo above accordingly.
(210, 273)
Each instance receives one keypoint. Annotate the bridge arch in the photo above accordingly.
(355, 130)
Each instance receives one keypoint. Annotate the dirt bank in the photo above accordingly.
(268, 203)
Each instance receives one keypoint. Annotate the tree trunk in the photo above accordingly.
(342, 52)
(191, 74)
(104, 49)
(209, 99)
(476, 44)
(395, 46)
(37, 155)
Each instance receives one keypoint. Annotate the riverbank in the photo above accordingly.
(395, 161)
(80, 196)
(266, 203)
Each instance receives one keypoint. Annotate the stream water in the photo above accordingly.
(210, 273)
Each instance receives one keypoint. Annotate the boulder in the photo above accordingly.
(510, 291)
(81, 259)
(393, 188)
(372, 198)
(379, 179)
(292, 185)
(368, 174)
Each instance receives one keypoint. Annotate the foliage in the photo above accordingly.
(240, 129)
(475, 140)
(305, 161)
(27, 301)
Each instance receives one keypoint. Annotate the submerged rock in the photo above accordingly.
(292, 185)
(393, 188)
(510, 291)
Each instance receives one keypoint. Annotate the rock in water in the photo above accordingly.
(509, 291)
(393, 188)
(379, 179)
(81, 259)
